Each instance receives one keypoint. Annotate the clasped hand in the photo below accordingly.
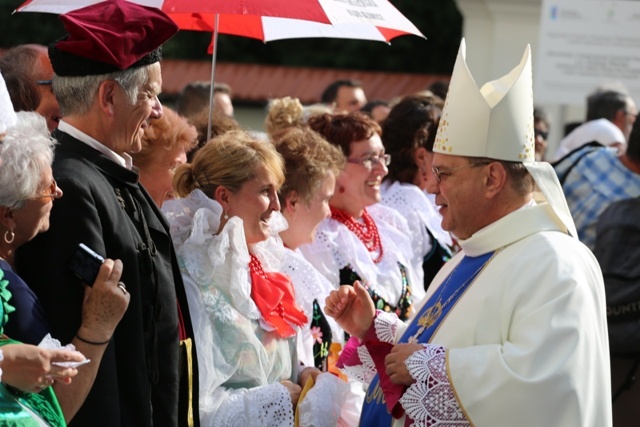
(395, 363)
(352, 308)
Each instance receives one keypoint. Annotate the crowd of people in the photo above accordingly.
(404, 263)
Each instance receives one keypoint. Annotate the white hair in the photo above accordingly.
(26, 149)
(76, 94)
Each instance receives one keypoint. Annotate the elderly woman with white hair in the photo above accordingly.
(27, 192)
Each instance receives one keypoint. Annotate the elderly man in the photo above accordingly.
(107, 79)
(32, 62)
(512, 331)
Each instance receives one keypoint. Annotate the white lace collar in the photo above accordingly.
(345, 249)
(220, 261)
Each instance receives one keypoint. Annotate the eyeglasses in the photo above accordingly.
(439, 174)
(370, 161)
(53, 192)
(542, 134)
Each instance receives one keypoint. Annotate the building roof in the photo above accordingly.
(259, 83)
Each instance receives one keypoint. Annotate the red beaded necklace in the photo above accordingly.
(367, 231)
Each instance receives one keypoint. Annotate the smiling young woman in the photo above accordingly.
(225, 225)
(363, 240)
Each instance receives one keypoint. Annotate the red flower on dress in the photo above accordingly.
(316, 333)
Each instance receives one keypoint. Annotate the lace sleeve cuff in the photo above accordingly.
(267, 406)
(272, 406)
(355, 359)
(431, 400)
(384, 328)
(322, 405)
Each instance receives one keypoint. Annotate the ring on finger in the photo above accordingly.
(122, 287)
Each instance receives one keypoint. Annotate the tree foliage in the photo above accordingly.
(438, 20)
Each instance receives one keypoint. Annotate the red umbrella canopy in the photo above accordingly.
(368, 20)
(308, 10)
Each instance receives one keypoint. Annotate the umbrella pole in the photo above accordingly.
(213, 73)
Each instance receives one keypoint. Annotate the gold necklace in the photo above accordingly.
(434, 312)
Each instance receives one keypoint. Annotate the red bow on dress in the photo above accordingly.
(273, 295)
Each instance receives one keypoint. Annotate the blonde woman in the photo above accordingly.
(244, 313)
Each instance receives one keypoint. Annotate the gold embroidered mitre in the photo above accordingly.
(495, 121)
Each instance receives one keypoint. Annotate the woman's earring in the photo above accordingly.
(423, 171)
(9, 240)
(226, 216)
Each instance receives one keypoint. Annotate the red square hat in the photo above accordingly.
(110, 36)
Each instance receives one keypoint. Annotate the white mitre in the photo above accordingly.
(496, 122)
(8, 117)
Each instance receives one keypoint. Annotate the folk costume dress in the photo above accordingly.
(320, 340)
(509, 335)
(430, 244)
(340, 255)
(245, 353)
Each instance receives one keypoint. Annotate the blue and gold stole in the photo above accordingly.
(374, 411)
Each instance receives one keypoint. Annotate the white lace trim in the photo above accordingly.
(338, 247)
(366, 370)
(219, 262)
(386, 325)
(268, 406)
(322, 405)
(359, 373)
(430, 401)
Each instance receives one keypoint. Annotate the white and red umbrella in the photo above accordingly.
(268, 20)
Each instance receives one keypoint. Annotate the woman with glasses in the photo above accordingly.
(363, 240)
(408, 135)
(27, 192)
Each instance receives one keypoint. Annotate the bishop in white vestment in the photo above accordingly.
(512, 332)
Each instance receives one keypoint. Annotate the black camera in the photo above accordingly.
(85, 264)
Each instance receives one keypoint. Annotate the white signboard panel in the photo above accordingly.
(584, 44)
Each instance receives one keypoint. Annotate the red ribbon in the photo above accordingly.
(273, 295)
